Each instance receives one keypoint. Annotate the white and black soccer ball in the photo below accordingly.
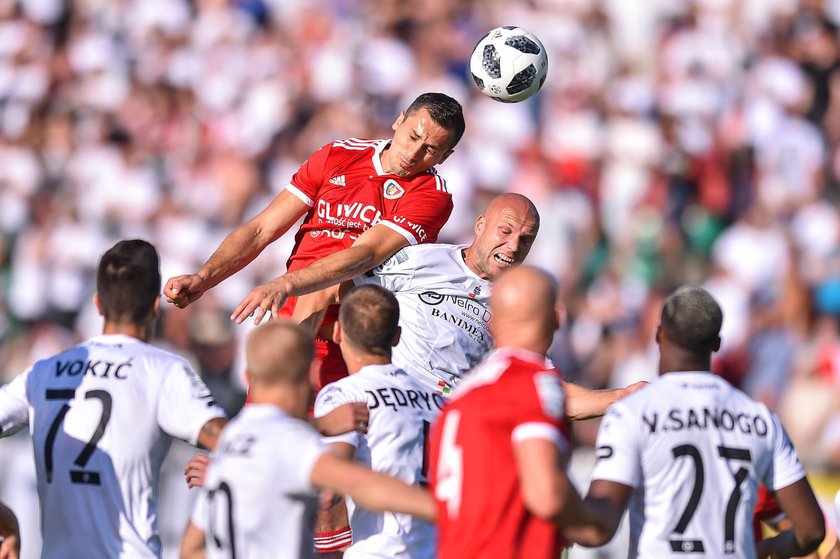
(509, 64)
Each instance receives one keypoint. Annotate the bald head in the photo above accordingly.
(524, 303)
(513, 204)
(279, 352)
(504, 234)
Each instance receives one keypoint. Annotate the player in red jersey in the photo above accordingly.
(363, 200)
(498, 451)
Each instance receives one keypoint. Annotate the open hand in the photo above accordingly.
(264, 298)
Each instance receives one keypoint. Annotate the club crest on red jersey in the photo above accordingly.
(393, 189)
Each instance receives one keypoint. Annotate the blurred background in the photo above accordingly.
(674, 141)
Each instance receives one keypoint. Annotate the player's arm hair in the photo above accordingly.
(606, 501)
(548, 493)
(248, 240)
(808, 525)
(372, 490)
(192, 545)
(584, 403)
(210, 431)
(372, 248)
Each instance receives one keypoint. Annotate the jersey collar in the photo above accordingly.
(115, 339)
(378, 369)
(377, 162)
(523, 354)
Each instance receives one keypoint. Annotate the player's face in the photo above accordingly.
(418, 145)
(503, 239)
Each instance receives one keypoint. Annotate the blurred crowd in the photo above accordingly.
(674, 141)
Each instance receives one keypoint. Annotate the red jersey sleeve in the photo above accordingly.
(307, 181)
(542, 414)
(422, 212)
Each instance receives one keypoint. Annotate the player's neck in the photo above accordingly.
(142, 332)
(684, 363)
(468, 255)
(357, 361)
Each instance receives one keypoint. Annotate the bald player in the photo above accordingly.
(261, 490)
(443, 291)
(515, 504)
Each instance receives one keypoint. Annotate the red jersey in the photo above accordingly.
(513, 395)
(348, 192)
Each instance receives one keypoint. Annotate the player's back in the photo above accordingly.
(696, 449)
(258, 500)
(511, 396)
(401, 413)
(102, 415)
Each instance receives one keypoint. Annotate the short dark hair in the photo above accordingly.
(444, 110)
(128, 281)
(369, 317)
(691, 318)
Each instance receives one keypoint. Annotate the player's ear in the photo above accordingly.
(480, 222)
(98, 304)
(399, 121)
(658, 336)
(397, 335)
(156, 307)
(716, 345)
(337, 332)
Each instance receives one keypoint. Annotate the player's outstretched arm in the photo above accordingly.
(10, 532)
(238, 249)
(372, 490)
(371, 249)
(800, 505)
(583, 403)
(192, 546)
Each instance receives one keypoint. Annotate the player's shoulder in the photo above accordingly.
(342, 391)
(422, 255)
(354, 144)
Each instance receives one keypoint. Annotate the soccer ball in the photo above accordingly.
(509, 64)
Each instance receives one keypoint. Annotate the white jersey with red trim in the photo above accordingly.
(401, 412)
(695, 450)
(102, 416)
(258, 500)
(444, 312)
(348, 192)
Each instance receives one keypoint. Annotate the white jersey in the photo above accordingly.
(444, 305)
(401, 411)
(102, 416)
(695, 450)
(258, 500)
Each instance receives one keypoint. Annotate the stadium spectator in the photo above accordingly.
(514, 505)
(103, 414)
(261, 490)
(690, 416)
(363, 200)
